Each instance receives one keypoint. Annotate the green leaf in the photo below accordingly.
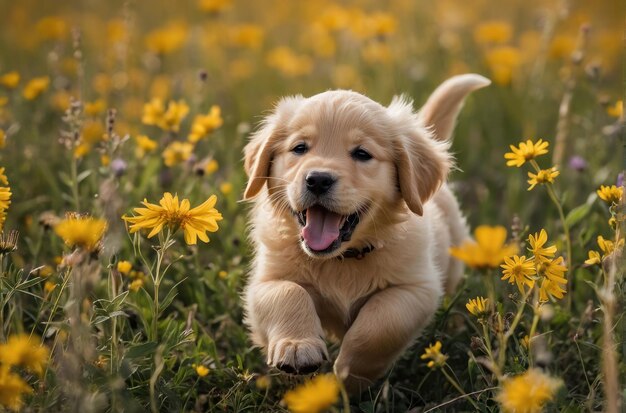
(84, 174)
(142, 350)
(577, 214)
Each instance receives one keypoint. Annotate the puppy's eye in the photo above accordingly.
(360, 154)
(300, 149)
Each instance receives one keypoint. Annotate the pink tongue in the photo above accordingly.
(322, 228)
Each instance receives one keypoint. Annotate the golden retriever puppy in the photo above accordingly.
(351, 225)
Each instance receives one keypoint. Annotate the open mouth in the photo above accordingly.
(323, 230)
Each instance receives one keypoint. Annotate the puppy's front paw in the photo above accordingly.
(297, 356)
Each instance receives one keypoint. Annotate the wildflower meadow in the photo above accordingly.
(123, 244)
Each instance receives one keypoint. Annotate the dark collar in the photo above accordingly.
(359, 254)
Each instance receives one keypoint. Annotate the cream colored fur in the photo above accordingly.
(376, 306)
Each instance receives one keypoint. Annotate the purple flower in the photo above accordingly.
(118, 166)
(620, 179)
(577, 163)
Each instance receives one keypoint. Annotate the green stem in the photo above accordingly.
(504, 338)
(74, 176)
(158, 276)
(456, 385)
(533, 326)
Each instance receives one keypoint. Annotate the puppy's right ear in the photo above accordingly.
(258, 156)
(259, 152)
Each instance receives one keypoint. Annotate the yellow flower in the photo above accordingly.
(594, 258)
(177, 152)
(194, 222)
(542, 177)
(96, 107)
(175, 113)
(489, 249)
(167, 39)
(433, 352)
(247, 35)
(314, 396)
(5, 197)
(135, 285)
(214, 6)
(124, 267)
(607, 246)
(85, 232)
(93, 132)
(550, 288)
(263, 382)
(376, 52)
(52, 28)
(617, 110)
(10, 80)
(611, 194)
(3, 177)
(3, 138)
(45, 271)
(478, 306)
(24, 351)
(526, 151)
(211, 167)
(153, 112)
(226, 188)
(223, 274)
(144, 145)
(36, 87)
(528, 392)
(493, 32)
(519, 270)
(502, 62)
(203, 125)
(49, 286)
(537, 242)
(288, 63)
(201, 370)
(553, 282)
(12, 389)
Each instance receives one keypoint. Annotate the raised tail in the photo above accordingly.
(442, 107)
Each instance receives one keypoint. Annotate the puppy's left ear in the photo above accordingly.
(423, 139)
(422, 164)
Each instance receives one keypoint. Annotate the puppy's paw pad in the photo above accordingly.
(297, 356)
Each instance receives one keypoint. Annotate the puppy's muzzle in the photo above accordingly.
(319, 183)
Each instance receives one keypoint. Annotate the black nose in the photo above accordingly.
(319, 182)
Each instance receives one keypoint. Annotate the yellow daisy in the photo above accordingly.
(194, 222)
(314, 396)
(478, 306)
(12, 389)
(519, 270)
(610, 194)
(544, 176)
(537, 242)
(77, 231)
(5, 197)
(25, 351)
(489, 249)
(433, 352)
(528, 392)
(526, 151)
(594, 258)
(124, 267)
(177, 152)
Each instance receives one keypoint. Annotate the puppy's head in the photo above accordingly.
(343, 166)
